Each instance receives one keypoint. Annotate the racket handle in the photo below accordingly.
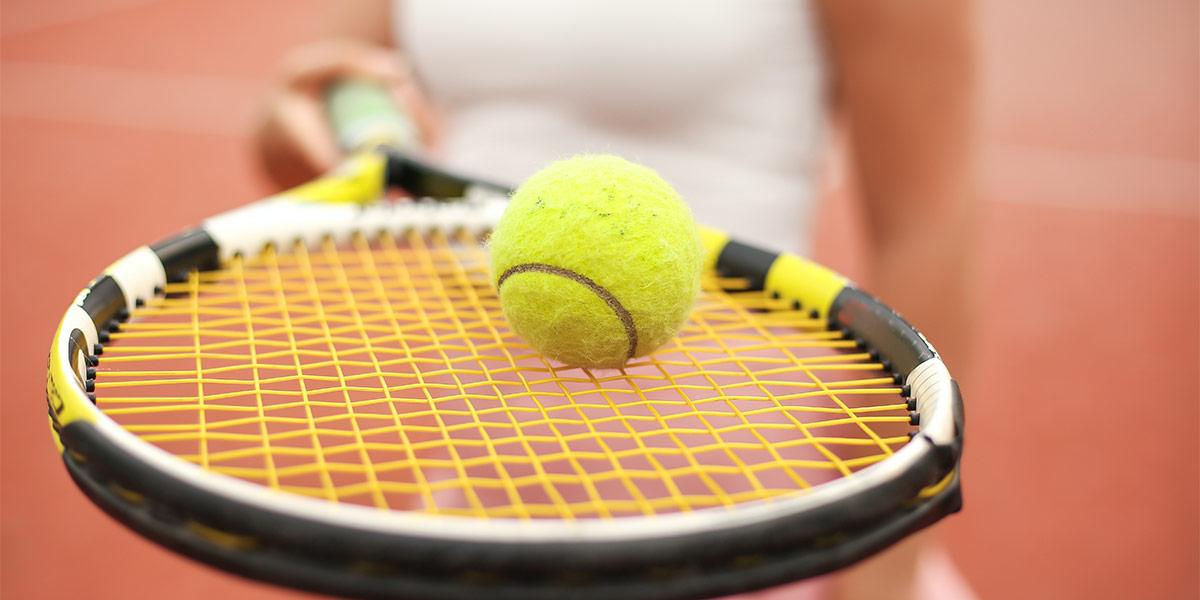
(364, 114)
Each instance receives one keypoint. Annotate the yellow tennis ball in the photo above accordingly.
(596, 260)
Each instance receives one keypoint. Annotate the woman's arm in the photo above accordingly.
(905, 86)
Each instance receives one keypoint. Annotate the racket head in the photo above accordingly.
(415, 548)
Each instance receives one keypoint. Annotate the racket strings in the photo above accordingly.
(381, 372)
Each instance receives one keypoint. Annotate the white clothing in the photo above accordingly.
(724, 98)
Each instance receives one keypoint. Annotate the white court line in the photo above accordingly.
(1079, 179)
(53, 14)
(136, 99)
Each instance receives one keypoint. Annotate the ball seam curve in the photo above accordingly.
(605, 295)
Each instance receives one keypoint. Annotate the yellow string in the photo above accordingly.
(382, 372)
(315, 452)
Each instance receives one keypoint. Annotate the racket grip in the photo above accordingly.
(364, 114)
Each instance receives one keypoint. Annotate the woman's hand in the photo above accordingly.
(293, 137)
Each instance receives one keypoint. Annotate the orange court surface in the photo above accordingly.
(123, 120)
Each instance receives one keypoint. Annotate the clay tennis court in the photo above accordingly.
(1080, 469)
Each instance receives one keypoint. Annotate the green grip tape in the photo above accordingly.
(364, 113)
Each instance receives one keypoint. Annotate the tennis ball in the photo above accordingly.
(596, 260)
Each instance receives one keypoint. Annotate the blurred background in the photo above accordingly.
(1083, 453)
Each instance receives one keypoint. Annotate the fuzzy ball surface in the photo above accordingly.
(596, 261)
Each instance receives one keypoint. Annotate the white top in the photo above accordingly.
(724, 98)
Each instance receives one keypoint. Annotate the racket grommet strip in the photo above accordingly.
(914, 418)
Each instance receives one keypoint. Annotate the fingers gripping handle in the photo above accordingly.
(364, 114)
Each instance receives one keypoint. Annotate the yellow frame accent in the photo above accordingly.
(360, 179)
(796, 278)
(63, 393)
(793, 277)
(712, 241)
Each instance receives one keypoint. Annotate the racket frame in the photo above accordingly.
(357, 550)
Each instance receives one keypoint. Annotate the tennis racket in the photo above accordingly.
(319, 390)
